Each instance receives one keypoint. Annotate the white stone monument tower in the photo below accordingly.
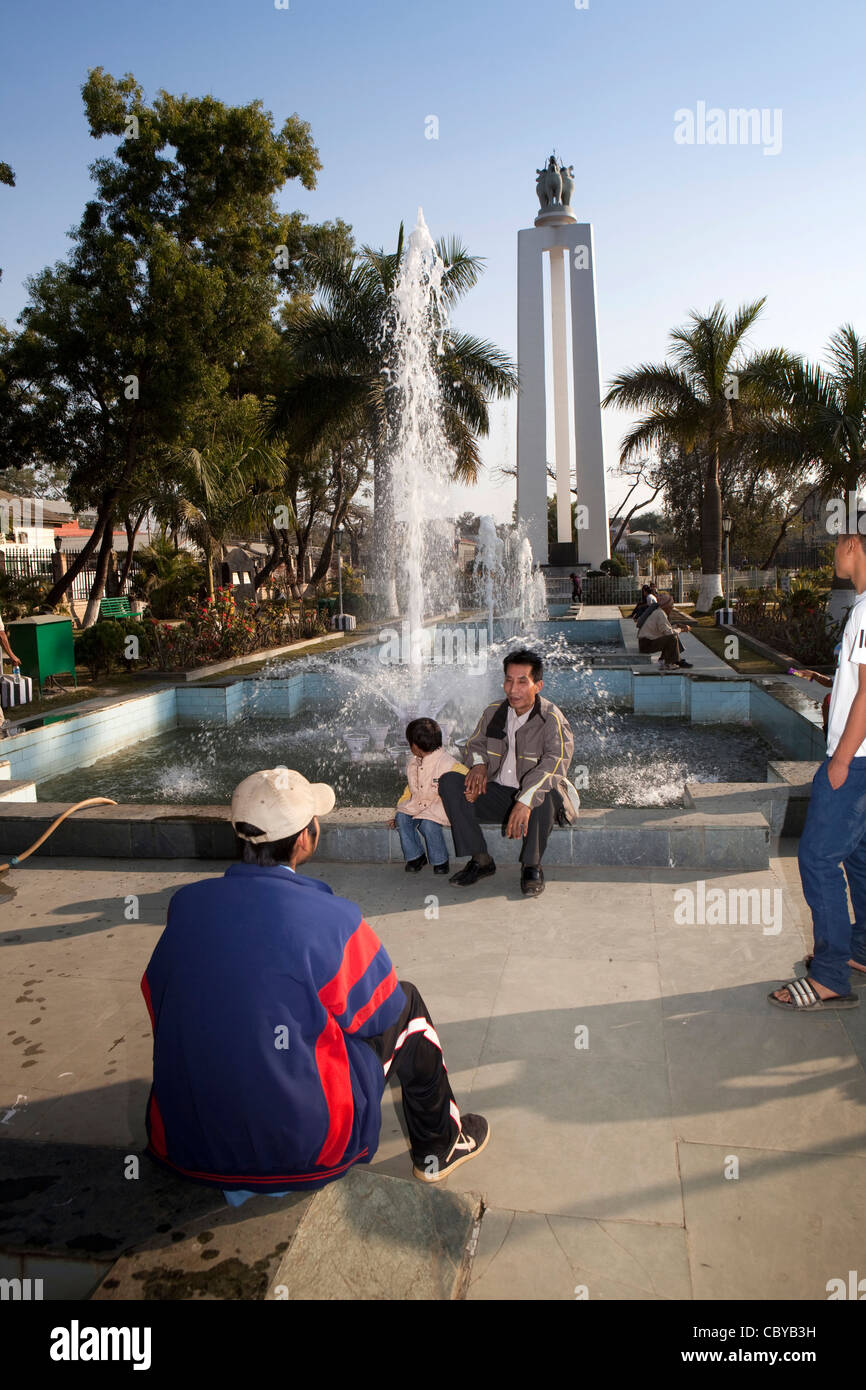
(568, 246)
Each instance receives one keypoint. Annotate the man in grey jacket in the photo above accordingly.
(518, 757)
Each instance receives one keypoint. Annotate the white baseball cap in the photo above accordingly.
(280, 802)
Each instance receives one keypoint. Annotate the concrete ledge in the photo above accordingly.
(20, 790)
(652, 838)
(373, 1238)
(783, 805)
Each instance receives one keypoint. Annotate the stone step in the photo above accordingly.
(5, 770)
(14, 790)
(364, 1237)
(667, 837)
(782, 804)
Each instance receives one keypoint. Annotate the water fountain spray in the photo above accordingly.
(421, 460)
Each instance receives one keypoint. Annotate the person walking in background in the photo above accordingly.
(576, 588)
(420, 815)
(832, 855)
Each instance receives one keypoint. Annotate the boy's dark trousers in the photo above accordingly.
(410, 1049)
(494, 805)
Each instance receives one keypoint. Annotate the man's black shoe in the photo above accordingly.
(472, 872)
(686, 665)
(442, 868)
(414, 866)
(473, 1137)
(532, 881)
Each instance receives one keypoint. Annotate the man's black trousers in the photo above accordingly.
(410, 1049)
(494, 805)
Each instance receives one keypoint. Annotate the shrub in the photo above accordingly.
(100, 647)
(614, 566)
(359, 606)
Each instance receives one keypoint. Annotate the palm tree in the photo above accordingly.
(231, 486)
(167, 577)
(707, 402)
(822, 425)
(336, 386)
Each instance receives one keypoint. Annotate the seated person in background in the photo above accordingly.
(420, 815)
(277, 1016)
(646, 601)
(658, 635)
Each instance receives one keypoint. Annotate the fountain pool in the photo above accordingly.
(639, 737)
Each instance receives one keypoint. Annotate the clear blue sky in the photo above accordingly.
(676, 226)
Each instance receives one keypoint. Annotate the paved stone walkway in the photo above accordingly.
(627, 1065)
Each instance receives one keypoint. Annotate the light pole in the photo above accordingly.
(727, 523)
(652, 542)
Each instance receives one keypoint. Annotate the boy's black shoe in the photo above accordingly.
(473, 1137)
(441, 868)
(686, 665)
(532, 881)
(472, 872)
(414, 866)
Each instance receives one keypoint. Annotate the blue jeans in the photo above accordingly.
(833, 839)
(411, 830)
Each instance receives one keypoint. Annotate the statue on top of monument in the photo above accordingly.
(555, 184)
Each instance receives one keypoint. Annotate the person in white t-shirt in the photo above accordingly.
(832, 854)
(4, 643)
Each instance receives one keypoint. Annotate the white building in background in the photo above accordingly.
(569, 250)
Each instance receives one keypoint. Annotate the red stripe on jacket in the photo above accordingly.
(157, 1128)
(379, 995)
(362, 947)
(145, 989)
(332, 1064)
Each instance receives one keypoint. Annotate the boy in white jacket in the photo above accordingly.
(420, 816)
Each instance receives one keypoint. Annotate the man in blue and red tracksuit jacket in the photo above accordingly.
(277, 1017)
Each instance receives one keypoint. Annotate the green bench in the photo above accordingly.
(115, 608)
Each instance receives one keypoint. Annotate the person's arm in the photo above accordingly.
(555, 761)
(364, 996)
(478, 758)
(476, 745)
(805, 674)
(852, 735)
(4, 643)
(678, 617)
(392, 823)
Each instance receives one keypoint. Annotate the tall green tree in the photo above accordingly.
(176, 265)
(704, 402)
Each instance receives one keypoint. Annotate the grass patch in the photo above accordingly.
(750, 662)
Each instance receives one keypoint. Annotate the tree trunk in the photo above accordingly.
(272, 561)
(97, 588)
(636, 509)
(132, 529)
(64, 584)
(711, 535)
